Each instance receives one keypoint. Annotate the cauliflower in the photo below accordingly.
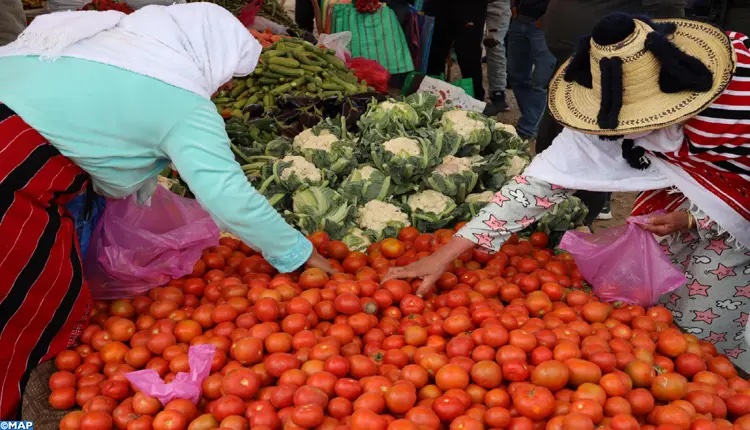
(506, 128)
(403, 147)
(320, 208)
(389, 106)
(474, 203)
(472, 128)
(462, 123)
(366, 183)
(322, 147)
(455, 177)
(429, 201)
(391, 115)
(453, 165)
(483, 197)
(308, 140)
(431, 210)
(356, 240)
(302, 168)
(380, 219)
(366, 172)
(516, 166)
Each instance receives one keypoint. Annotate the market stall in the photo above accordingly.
(508, 340)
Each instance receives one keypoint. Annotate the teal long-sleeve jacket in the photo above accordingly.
(124, 128)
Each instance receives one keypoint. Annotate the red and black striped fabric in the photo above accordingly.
(44, 300)
(716, 150)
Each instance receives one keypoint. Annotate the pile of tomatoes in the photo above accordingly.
(509, 341)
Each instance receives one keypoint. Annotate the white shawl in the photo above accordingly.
(196, 46)
(585, 162)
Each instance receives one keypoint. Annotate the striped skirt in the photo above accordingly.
(44, 301)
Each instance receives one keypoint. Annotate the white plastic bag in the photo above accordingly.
(450, 96)
(137, 4)
(337, 42)
(262, 24)
(63, 5)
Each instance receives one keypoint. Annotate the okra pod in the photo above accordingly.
(238, 89)
(286, 71)
(284, 61)
(282, 89)
(311, 68)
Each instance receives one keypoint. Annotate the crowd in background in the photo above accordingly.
(525, 40)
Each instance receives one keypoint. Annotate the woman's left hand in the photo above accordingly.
(666, 224)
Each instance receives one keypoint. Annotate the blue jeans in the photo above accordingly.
(530, 68)
(498, 20)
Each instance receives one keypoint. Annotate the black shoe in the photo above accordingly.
(490, 110)
(499, 103)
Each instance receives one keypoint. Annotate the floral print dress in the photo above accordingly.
(715, 303)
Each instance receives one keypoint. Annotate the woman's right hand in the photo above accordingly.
(427, 268)
(319, 262)
(430, 268)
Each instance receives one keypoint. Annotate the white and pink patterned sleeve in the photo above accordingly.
(516, 206)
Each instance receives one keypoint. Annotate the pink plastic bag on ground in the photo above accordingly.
(185, 385)
(138, 247)
(624, 264)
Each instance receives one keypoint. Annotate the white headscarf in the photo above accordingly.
(195, 46)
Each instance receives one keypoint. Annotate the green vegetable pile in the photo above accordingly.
(290, 67)
(407, 163)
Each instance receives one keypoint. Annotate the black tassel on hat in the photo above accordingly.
(579, 68)
(634, 155)
(611, 100)
(679, 71)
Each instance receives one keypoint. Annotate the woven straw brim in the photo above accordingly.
(577, 107)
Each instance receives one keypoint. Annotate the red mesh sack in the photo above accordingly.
(371, 72)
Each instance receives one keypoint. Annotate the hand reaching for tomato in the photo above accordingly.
(430, 268)
(319, 262)
(426, 268)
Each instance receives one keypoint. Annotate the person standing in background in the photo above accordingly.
(498, 20)
(304, 15)
(462, 23)
(565, 23)
(738, 16)
(530, 64)
(12, 20)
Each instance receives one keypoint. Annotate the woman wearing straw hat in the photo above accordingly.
(662, 108)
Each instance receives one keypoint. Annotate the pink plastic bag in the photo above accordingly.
(135, 248)
(185, 385)
(624, 264)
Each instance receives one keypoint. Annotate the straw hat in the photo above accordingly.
(653, 73)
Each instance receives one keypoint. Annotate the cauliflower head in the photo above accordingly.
(379, 219)
(403, 147)
(309, 140)
(301, 168)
